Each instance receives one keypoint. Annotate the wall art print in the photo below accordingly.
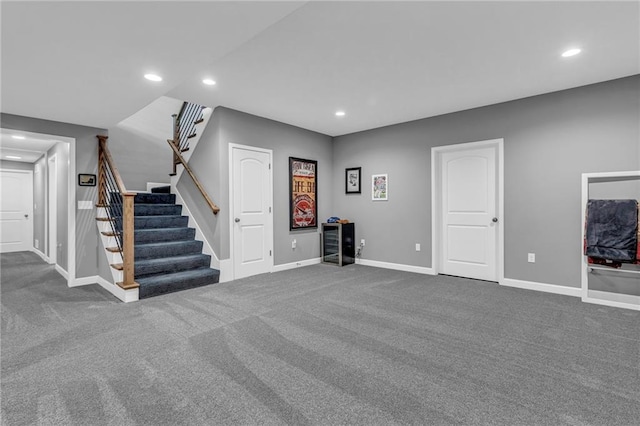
(303, 175)
(352, 180)
(379, 187)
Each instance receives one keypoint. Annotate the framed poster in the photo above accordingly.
(352, 180)
(86, 179)
(303, 175)
(380, 187)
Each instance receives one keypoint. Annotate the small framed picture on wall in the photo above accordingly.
(352, 180)
(380, 187)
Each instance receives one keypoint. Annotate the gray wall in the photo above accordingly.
(211, 163)
(549, 141)
(86, 162)
(131, 153)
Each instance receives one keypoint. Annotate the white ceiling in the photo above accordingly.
(299, 62)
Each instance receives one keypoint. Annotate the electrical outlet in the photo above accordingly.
(531, 257)
(37, 243)
(362, 242)
(293, 244)
(417, 246)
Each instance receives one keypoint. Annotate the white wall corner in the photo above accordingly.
(226, 271)
(64, 274)
(41, 254)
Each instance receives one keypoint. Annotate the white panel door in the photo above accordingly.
(252, 222)
(16, 207)
(469, 213)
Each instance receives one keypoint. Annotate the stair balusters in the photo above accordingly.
(117, 203)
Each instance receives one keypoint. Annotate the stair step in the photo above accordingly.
(161, 190)
(154, 198)
(167, 249)
(167, 265)
(154, 222)
(156, 235)
(192, 135)
(157, 210)
(198, 121)
(167, 283)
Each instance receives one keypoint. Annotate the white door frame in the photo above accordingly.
(436, 198)
(231, 263)
(70, 275)
(30, 209)
(51, 225)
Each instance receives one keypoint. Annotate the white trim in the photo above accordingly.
(151, 185)
(122, 294)
(206, 247)
(545, 288)
(435, 204)
(226, 271)
(592, 296)
(396, 266)
(52, 208)
(85, 281)
(64, 274)
(617, 300)
(41, 254)
(298, 264)
(231, 147)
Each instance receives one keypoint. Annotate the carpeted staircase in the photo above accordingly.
(167, 256)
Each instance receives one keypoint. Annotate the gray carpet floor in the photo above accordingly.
(315, 345)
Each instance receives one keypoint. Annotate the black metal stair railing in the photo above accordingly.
(184, 124)
(117, 204)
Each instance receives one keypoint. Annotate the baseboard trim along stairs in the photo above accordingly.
(168, 258)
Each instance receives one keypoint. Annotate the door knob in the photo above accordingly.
(237, 219)
(494, 220)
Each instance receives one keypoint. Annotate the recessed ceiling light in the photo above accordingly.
(153, 77)
(13, 157)
(340, 113)
(571, 52)
(18, 137)
(209, 82)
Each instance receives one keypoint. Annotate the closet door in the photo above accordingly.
(469, 232)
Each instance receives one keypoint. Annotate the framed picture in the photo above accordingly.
(86, 180)
(352, 180)
(380, 187)
(303, 175)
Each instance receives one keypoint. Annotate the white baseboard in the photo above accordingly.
(298, 264)
(226, 271)
(84, 281)
(62, 272)
(396, 266)
(41, 254)
(546, 288)
(122, 294)
(617, 300)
